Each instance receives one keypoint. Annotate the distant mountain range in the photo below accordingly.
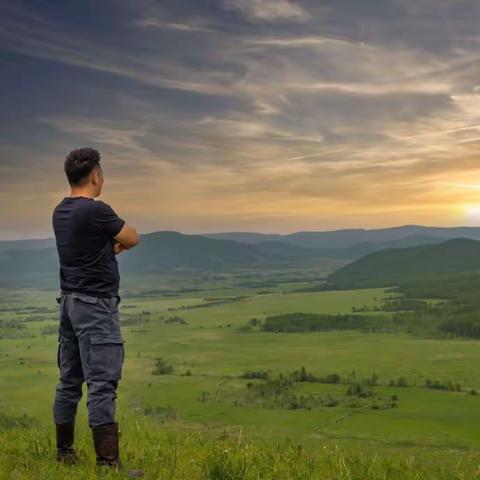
(346, 243)
(395, 266)
(33, 259)
(166, 250)
(340, 239)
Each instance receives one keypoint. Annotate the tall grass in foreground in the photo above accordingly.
(28, 453)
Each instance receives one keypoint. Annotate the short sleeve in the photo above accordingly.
(106, 219)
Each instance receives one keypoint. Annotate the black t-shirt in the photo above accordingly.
(84, 230)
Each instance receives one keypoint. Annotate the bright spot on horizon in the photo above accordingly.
(473, 214)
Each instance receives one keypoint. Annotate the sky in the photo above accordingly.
(271, 116)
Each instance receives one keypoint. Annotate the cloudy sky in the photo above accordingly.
(244, 115)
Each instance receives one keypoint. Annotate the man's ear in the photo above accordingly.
(95, 177)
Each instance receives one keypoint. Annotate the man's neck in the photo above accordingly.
(81, 193)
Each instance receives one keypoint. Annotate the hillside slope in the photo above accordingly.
(390, 267)
(29, 261)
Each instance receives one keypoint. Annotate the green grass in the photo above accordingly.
(430, 429)
(227, 455)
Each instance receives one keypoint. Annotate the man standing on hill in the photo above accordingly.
(88, 236)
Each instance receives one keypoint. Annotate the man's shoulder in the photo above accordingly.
(60, 203)
(98, 206)
(67, 205)
(57, 207)
(101, 207)
(101, 204)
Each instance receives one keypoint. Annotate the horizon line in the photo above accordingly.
(270, 233)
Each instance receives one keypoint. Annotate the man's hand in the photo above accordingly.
(118, 248)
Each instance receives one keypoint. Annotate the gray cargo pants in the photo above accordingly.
(90, 349)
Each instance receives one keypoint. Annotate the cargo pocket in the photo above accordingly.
(106, 356)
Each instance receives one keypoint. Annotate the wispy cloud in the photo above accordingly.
(181, 27)
(283, 110)
(269, 10)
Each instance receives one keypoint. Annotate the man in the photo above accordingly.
(88, 236)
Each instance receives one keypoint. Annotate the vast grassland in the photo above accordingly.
(179, 424)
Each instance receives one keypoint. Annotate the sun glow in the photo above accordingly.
(472, 212)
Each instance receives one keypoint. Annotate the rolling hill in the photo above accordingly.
(31, 260)
(394, 266)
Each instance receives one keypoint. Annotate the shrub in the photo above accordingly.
(161, 367)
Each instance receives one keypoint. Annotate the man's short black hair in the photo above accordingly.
(80, 163)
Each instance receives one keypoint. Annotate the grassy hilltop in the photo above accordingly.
(25, 453)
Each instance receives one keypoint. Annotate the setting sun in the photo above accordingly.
(472, 214)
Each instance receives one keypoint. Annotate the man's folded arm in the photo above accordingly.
(127, 237)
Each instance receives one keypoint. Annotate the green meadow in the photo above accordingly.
(193, 370)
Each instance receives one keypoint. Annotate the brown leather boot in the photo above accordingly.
(105, 440)
(65, 451)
